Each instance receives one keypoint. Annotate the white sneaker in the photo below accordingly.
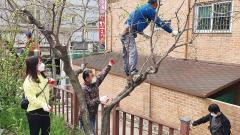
(136, 77)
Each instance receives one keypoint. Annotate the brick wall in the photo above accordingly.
(113, 85)
(210, 47)
(167, 105)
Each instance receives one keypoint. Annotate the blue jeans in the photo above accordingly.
(92, 123)
(130, 54)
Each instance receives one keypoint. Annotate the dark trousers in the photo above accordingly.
(92, 122)
(39, 120)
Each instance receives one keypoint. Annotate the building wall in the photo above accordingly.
(170, 105)
(210, 47)
(167, 105)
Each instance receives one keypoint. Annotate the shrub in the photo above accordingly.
(12, 117)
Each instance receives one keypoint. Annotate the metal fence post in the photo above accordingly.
(185, 126)
(75, 110)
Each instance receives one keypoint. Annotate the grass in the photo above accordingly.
(15, 120)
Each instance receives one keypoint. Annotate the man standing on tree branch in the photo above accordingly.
(137, 21)
(91, 90)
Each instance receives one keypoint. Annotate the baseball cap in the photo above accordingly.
(29, 34)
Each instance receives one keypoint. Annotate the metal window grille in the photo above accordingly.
(213, 17)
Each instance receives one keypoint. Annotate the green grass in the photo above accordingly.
(15, 120)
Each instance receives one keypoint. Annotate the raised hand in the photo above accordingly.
(111, 62)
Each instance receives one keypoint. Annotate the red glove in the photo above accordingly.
(51, 81)
(111, 62)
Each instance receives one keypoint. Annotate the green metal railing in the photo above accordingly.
(76, 54)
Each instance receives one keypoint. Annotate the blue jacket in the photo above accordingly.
(141, 17)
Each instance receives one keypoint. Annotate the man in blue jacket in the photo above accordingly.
(137, 21)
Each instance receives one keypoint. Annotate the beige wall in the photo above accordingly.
(168, 105)
(210, 47)
(113, 85)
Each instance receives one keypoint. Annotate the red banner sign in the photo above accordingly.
(102, 24)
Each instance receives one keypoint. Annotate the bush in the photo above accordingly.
(11, 76)
(12, 117)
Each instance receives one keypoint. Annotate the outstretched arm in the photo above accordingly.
(101, 76)
(159, 22)
(202, 120)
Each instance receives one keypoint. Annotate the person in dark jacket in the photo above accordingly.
(219, 123)
(137, 21)
(91, 90)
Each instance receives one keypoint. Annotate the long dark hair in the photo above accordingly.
(32, 63)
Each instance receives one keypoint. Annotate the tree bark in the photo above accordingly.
(105, 121)
(78, 89)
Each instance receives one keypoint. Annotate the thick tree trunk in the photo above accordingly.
(105, 121)
(78, 89)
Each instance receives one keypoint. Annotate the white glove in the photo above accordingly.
(174, 33)
(47, 108)
(104, 99)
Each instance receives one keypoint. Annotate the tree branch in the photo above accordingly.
(81, 69)
(60, 13)
(54, 16)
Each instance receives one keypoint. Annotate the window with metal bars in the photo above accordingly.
(213, 17)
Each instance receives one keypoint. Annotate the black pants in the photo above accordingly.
(39, 120)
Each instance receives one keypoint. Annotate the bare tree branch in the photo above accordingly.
(60, 13)
(54, 16)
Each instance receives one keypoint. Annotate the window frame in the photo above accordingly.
(211, 4)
